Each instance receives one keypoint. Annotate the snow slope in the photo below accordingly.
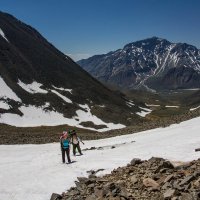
(38, 116)
(4, 105)
(35, 171)
(34, 87)
(6, 92)
(3, 35)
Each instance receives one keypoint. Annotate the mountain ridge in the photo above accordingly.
(151, 59)
(51, 85)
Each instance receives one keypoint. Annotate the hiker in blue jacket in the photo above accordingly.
(65, 146)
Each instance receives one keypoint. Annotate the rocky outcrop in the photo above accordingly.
(148, 180)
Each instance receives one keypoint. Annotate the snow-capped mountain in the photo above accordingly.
(39, 85)
(152, 63)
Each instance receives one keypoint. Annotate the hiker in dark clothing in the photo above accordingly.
(65, 146)
(75, 140)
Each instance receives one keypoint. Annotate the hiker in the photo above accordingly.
(75, 140)
(65, 146)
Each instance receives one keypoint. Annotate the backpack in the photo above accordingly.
(65, 143)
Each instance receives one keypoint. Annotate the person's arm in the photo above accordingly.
(80, 140)
(61, 145)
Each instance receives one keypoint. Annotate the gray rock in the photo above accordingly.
(135, 161)
(166, 186)
(169, 194)
(148, 182)
(187, 179)
(55, 196)
(115, 192)
(120, 183)
(99, 193)
(134, 179)
(169, 178)
(79, 185)
(167, 164)
(92, 185)
(197, 183)
(91, 197)
(187, 187)
(177, 186)
(156, 159)
(198, 149)
(124, 193)
(82, 179)
(92, 176)
(164, 165)
(109, 186)
(186, 196)
(196, 173)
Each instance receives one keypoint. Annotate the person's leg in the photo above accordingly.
(63, 155)
(68, 155)
(74, 149)
(79, 148)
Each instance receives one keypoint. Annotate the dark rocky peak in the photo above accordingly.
(149, 43)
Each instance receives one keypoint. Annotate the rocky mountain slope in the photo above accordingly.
(39, 85)
(140, 180)
(153, 64)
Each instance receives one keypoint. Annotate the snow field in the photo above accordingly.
(37, 116)
(6, 92)
(33, 88)
(3, 35)
(36, 171)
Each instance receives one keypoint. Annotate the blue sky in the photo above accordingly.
(83, 28)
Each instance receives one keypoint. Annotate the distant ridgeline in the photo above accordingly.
(150, 64)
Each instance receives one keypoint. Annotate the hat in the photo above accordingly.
(64, 133)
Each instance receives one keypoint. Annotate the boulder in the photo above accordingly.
(186, 196)
(198, 149)
(135, 161)
(82, 179)
(134, 179)
(169, 178)
(197, 183)
(169, 194)
(187, 179)
(148, 182)
(55, 196)
(91, 197)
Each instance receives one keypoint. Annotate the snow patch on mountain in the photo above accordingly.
(88, 116)
(62, 96)
(33, 88)
(130, 103)
(63, 89)
(192, 109)
(39, 116)
(144, 112)
(172, 106)
(34, 116)
(6, 91)
(3, 35)
(152, 105)
(4, 105)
